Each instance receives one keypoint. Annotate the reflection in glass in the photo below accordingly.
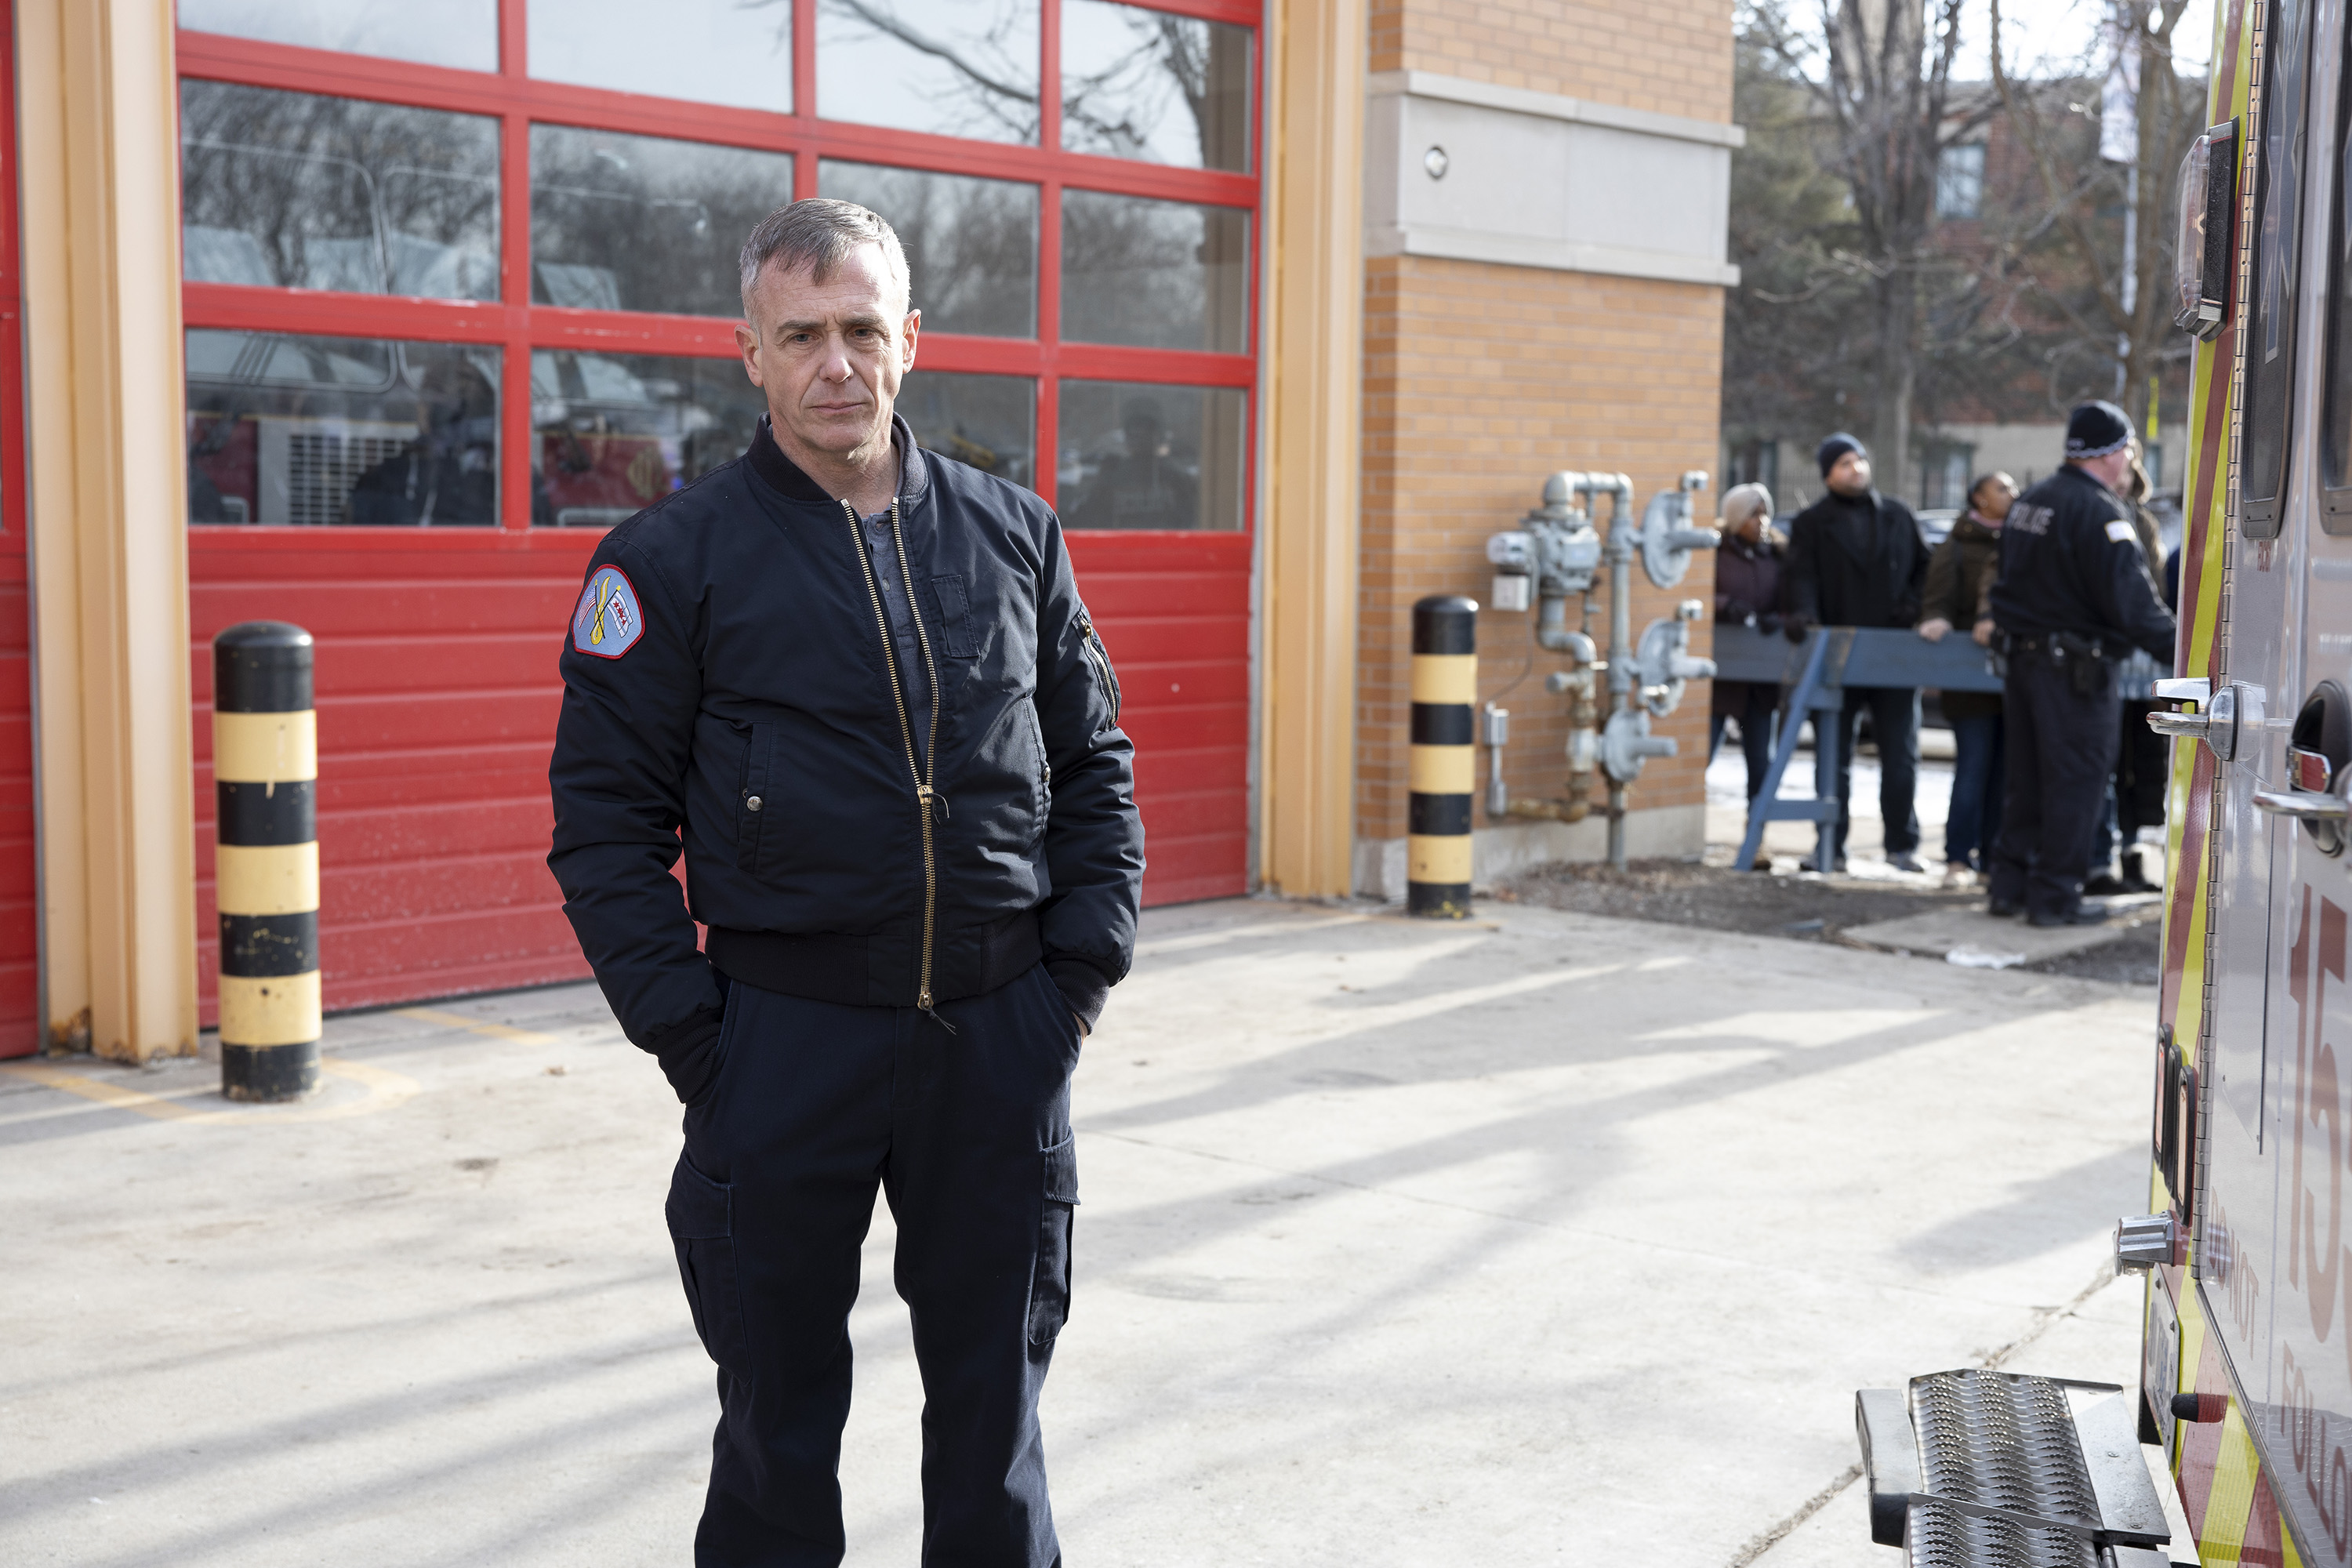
(1163, 275)
(953, 67)
(1144, 84)
(1136, 455)
(615, 433)
(2278, 250)
(640, 223)
(987, 421)
(971, 245)
(310, 431)
(710, 51)
(459, 33)
(294, 191)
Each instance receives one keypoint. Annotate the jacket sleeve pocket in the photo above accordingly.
(1049, 1292)
(701, 1226)
(755, 801)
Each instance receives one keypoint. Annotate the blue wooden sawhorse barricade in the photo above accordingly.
(1813, 676)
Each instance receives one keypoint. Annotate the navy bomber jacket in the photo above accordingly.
(730, 690)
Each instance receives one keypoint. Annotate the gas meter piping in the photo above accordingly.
(1622, 545)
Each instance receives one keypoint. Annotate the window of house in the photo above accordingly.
(472, 263)
(1960, 180)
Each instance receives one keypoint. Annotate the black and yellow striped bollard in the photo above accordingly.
(266, 776)
(1443, 771)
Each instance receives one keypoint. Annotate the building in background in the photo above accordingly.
(373, 314)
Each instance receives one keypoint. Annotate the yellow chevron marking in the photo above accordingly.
(2231, 1506)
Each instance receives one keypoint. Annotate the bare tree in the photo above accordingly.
(2127, 301)
(1885, 86)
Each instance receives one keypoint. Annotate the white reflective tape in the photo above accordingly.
(2122, 533)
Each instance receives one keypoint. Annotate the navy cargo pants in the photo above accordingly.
(2060, 747)
(968, 1135)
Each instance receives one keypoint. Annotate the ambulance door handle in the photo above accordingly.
(2303, 806)
(2217, 726)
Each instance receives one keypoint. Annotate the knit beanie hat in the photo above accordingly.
(1837, 447)
(1742, 502)
(2096, 430)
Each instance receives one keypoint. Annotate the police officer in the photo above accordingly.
(2072, 597)
(854, 682)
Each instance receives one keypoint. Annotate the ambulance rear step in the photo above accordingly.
(1992, 1468)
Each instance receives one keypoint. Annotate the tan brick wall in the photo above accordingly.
(1673, 58)
(1478, 381)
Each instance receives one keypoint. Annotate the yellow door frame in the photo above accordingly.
(106, 498)
(1314, 379)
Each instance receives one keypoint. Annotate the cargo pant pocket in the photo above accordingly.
(701, 1226)
(1049, 1291)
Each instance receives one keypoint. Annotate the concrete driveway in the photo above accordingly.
(1536, 1238)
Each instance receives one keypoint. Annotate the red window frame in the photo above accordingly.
(518, 326)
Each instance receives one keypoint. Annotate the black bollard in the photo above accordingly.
(1444, 769)
(265, 778)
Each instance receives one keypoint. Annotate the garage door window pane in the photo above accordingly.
(1144, 84)
(971, 245)
(1163, 275)
(612, 433)
(1137, 455)
(987, 421)
(459, 33)
(953, 67)
(289, 190)
(710, 51)
(306, 431)
(640, 223)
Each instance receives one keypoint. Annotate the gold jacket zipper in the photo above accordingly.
(1099, 656)
(923, 770)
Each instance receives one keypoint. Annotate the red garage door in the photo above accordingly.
(459, 299)
(20, 1024)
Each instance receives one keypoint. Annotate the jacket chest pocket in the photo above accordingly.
(952, 609)
(755, 799)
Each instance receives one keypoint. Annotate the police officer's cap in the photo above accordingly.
(2096, 430)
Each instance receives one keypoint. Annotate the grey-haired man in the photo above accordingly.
(854, 682)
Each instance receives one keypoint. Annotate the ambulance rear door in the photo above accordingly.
(2300, 746)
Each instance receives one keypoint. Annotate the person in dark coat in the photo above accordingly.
(854, 683)
(2072, 597)
(2143, 757)
(1959, 586)
(1747, 593)
(1856, 558)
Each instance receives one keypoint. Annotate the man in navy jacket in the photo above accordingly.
(853, 681)
(1856, 558)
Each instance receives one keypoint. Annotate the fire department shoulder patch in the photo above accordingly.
(608, 622)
